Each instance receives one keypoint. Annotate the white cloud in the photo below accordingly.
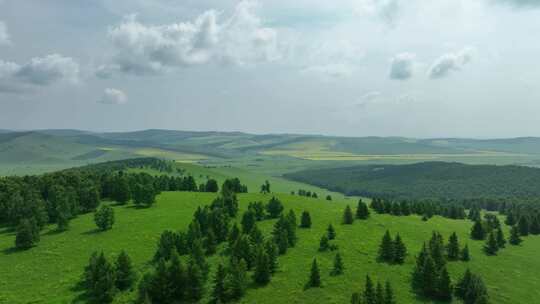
(402, 66)
(339, 70)
(450, 62)
(113, 96)
(4, 35)
(387, 10)
(39, 71)
(240, 39)
(369, 98)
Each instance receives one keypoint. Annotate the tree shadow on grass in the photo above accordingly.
(11, 250)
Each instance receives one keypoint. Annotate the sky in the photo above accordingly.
(415, 68)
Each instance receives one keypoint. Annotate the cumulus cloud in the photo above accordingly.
(450, 62)
(402, 66)
(113, 96)
(39, 71)
(4, 35)
(240, 39)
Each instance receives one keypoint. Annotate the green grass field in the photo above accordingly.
(49, 272)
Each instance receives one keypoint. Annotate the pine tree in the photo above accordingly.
(452, 249)
(400, 251)
(248, 221)
(501, 241)
(369, 292)
(330, 232)
(195, 282)
(210, 243)
(523, 225)
(356, 298)
(491, 247)
(305, 221)
(256, 236)
(219, 293)
(314, 276)
(462, 285)
(262, 271)
(282, 242)
(27, 234)
(177, 277)
(478, 232)
(348, 218)
(379, 293)
(389, 297)
(515, 238)
(417, 281)
(234, 233)
(444, 286)
(100, 279)
(338, 265)
(465, 255)
(237, 282)
(324, 244)
(535, 225)
(291, 228)
(274, 208)
(362, 211)
(272, 252)
(198, 256)
(510, 219)
(386, 249)
(429, 278)
(125, 274)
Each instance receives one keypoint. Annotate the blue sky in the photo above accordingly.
(464, 68)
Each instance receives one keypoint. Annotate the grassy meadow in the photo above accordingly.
(49, 272)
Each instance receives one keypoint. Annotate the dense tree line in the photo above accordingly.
(306, 193)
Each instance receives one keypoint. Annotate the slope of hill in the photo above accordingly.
(427, 180)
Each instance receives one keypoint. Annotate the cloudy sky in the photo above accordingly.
(466, 68)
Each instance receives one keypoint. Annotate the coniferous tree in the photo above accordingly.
(400, 251)
(338, 265)
(314, 276)
(274, 208)
(535, 225)
(478, 232)
(356, 298)
(465, 255)
(256, 236)
(452, 249)
(330, 232)
(125, 274)
(100, 279)
(62, 221)
(262, 271)
(362, 211)
(234, 234)
(348, 217)
(219, 292)
(272, 252)
(462, 285)
(237, 282)
(27, 234)
(389, 297)
(515, 238)
(379, 293)
(195, 282)
(369, 292)
(523, 225)
(491, 247)
(429, 277)
(210, 243)
(177, 277)
(386, 248)
(122, 193)
(305, 221)
(418, 272)
(198, 256)
(282, 241)
(324, 244)
(248, 221)
(501, 241)
(444, 286)
(291, 225)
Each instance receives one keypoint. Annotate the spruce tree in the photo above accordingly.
(262, 271)
(462, 285)
(452, 249)
(330, 232)
(379, 293)
(274, 208)
(27, 234)
(386, 248)
(305, 221)
(195, 282)
(272, 252)
(282, 242)
(535, 225)
(491, 247)
(444, 286)
(356, 298)
(389, 297)
(523, 225)
(362, 211)
(429, 278)
(234, 233)
(515, 238)
(400, 251)
(324, 244)
(210, 243)
(248, 221)
(219, 292)
(501, 241)
(348, 217)
(101, 279)
(291, 228)
(417, 281)
(338, 265)
(314, 276)
(62, 220)
(478, 232)
(237, 282)
(125, 274)
(198, 256)
(369, 292)
(177, 277)
(465, 255)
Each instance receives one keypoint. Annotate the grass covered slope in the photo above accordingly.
(427, 180)
(49, 272)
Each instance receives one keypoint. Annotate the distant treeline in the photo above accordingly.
(43, 199)
(429, 180)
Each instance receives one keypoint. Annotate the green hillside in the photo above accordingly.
(428, 180)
